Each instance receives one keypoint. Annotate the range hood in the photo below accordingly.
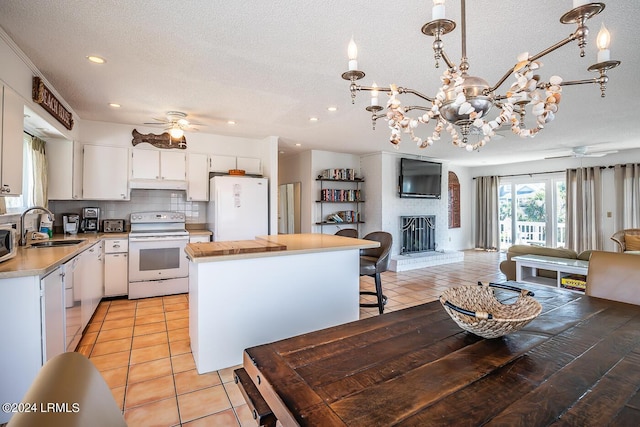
(157, 184)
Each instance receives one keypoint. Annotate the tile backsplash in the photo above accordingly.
(141, 201)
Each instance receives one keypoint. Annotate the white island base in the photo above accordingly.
(240, 301)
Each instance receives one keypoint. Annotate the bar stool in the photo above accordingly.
(373, 262)
(348, 232)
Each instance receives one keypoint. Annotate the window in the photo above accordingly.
(16, 204)
(532, 210)
(33, 166)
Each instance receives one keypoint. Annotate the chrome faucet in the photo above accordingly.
(23, 232)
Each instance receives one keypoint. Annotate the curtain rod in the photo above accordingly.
(562, 171)
(31, 135)
(529, 174)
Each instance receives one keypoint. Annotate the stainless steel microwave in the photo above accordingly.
(8, 246)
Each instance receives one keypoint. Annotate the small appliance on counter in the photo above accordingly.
(8, 242)
(70, 223)
(113, 226)
(90, 220)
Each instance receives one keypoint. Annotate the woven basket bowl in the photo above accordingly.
(476, 309)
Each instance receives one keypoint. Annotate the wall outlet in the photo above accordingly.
(608, 214)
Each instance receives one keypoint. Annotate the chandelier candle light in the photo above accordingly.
(461, 105)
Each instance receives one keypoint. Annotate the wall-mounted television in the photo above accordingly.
(420, 179)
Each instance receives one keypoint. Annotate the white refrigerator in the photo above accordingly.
(238, 208)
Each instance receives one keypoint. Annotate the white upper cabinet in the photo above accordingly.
(251, 166)
(221, 163)
(149, 166)
(105, 173)
(173, 165)
(12, 120)
(145, 164)
(197, 177)
(64, 169)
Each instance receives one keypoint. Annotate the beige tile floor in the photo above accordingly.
(141, 347)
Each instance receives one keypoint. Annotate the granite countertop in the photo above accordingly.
(294, 243)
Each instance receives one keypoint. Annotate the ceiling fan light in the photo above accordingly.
(176, 133)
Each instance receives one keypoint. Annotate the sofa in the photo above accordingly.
(508, 267)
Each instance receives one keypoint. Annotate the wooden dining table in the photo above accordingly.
(576, 364)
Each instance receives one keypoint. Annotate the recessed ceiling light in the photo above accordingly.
(313, 119)
(332, 108)
(231, 122)
(114, 105)
(298, 145)
(96, 59)
(281, 152)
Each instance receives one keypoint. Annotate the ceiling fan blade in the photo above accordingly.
(600, 153)
(558, 157)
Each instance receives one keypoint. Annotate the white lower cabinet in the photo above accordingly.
(116, 267)
(90, 279)
(199, 239)
(53, 314)
(32, 328)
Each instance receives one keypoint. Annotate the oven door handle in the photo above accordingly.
(158, 238)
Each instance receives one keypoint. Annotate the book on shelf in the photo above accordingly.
(339, 174)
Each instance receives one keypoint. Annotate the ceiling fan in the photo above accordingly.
(176, 123)
(583, 151)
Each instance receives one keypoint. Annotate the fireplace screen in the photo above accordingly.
(418, 234)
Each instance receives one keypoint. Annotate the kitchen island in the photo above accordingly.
(239, 300)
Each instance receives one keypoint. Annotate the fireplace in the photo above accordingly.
(418, 234)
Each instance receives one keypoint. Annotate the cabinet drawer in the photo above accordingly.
(116, 245)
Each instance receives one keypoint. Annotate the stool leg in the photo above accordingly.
(381, 302)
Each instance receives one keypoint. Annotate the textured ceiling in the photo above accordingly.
(270, 65)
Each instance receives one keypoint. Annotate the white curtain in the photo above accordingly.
(584, 209)
(36, 172)
(487, 218)
(627, 186)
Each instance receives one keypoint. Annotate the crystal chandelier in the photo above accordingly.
(461, 105)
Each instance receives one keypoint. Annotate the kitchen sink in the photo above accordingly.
(55, 243)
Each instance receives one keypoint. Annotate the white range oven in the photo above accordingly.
(157, 261)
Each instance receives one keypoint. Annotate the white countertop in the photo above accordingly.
(297, 244)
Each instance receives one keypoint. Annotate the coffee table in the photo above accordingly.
(527, 268)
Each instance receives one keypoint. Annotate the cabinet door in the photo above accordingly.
(221, 163)
(12, 125)
(198, 178)
(105, 173)
(53, 314)
(64, 169)
(116, 279)
(249, 165)
(89, 277)
(199, 239)
(173, 165)
(145, 164)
